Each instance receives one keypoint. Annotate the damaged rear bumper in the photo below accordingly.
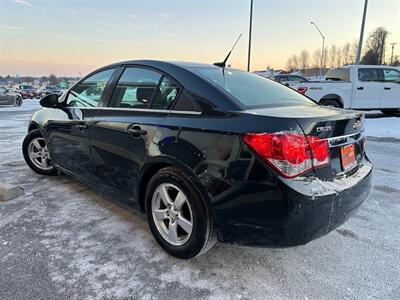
(313, 209)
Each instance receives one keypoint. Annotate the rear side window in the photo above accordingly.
(167, 92)
(338, 75)
(368, 74)
(252, 90)
(185, 103)
(135, 88)
(391, 75)
(88, 92)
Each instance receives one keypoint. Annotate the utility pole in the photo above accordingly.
(322, 51)
(250, 27)
(392, 44)
(358, 59)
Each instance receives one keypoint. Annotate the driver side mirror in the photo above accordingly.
(49, 101)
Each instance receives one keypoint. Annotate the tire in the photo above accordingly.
(42, 163)
(390, 111)
(18, 101)
(182, 245)
(331, 102)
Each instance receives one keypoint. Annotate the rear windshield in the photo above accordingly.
(252, 90)
(338, 75)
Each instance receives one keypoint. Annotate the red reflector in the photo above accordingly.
(302, 89)
(290, 154)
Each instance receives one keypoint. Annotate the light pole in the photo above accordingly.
(391, 59)
(322, 51)
(250, 27)
(358, 58)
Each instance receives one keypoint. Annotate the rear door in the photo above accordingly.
(124, 131)
(367, 89)
(391, 89)
(68, 132)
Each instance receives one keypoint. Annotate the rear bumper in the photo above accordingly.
(310, 209)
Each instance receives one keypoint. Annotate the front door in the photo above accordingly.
(391, 89)
(68, 133)
(367, 90)
(123, 133)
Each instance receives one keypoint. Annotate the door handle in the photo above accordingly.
(136, 131)
(360, 88)
(387, 88)
(82, 127)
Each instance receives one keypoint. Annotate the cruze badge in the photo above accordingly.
(324, 128)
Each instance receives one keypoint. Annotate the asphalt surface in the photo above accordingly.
(62, 240)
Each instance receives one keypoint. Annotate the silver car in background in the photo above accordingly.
(8, 97)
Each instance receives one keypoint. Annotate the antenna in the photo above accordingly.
(223, 64)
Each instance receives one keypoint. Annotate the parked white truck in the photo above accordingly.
(357, 87)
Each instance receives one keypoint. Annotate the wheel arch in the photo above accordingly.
(333, 96)
(153, 165)
(33, 125)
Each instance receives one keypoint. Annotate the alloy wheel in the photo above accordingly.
(172, 214)
(39, 154)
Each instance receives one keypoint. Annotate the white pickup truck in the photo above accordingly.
(356, 87)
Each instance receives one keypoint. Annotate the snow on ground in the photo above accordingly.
(27, 105)
(64, 240)
(383, 127)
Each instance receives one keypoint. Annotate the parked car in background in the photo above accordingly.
(289, 80)
(365, 87)
(50, 89)
(27, 91)
(206, 152)
(8, 97)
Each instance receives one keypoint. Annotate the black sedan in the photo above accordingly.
(208, 153)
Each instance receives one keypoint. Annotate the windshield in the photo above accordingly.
(27, 87)
(252, 90)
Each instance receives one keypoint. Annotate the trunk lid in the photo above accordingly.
(340, 127)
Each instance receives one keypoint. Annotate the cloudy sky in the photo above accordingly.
(71, 37)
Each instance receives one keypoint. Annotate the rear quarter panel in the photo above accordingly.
(211, 152)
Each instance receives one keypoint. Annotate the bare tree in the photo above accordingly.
(289, 64)
(295, 62)
(53, 79)
(316, 58)
(376, 44)
(304, 60)
(346, 53)
(338, 57)
(332, 55)
(353, 51)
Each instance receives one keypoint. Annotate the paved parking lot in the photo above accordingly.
(62, 240)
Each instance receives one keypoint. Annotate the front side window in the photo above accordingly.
(368, 74)
(88, 92)
(252, 90)
(135, 88)
(391, 75)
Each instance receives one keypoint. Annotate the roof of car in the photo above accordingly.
(184, 74)
(155, 63)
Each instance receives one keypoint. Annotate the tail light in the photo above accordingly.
(289, 154)
(302, 89)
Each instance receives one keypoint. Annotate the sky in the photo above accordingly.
(72, 38)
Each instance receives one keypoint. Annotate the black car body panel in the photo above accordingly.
(118, 149)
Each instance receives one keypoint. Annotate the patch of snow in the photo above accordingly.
(27, 105)
(383, 127)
